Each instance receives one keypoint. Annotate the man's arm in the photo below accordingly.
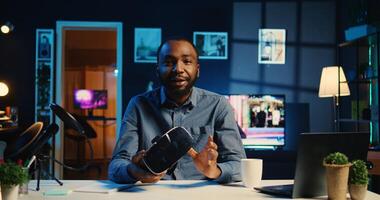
(220, 157)
(126, 147)
(126, 165)
(228, 140)
(206, 160)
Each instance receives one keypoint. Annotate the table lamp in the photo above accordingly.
(333, 84)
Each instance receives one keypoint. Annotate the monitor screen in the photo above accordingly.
(261, 119)
(90, 99)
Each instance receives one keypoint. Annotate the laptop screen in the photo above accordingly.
(309, 178)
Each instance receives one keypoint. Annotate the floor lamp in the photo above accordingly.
(329, 87)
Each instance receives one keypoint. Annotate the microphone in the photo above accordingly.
(167, 150)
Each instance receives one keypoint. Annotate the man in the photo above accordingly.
(217, 148)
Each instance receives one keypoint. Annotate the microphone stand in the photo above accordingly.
(40, 158)
(50, 131)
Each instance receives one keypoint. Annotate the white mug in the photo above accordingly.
(251, 172)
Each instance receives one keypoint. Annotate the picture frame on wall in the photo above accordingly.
(271, 46)
(211, 45)
(44, 42)
(147, 41)
(44, 60)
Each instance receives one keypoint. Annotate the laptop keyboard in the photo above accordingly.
(283, 190)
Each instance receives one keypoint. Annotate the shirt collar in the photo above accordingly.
(192, 100)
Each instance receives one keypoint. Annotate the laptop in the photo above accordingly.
(309, 178)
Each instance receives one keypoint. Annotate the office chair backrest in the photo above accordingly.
(68, 120)
(15, 149)
(88, 130)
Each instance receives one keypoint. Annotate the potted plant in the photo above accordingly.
(358, 180)
(337, 169)
(11, 176)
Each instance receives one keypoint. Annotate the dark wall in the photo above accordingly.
(311, 39)
(310, 46)
(17, 51)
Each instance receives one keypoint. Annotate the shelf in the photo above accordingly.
(359, 42)
(374, 158)
(362, 60)
(355, 120)
(366, 81)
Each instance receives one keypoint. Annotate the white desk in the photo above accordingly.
(163, 190)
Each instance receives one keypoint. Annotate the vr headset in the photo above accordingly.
(167, 150)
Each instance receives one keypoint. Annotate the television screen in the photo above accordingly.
(90, 99)
(261, 119)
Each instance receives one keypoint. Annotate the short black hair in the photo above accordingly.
(176, 38)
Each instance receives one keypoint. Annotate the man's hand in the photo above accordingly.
(206, 160)
(136, 169)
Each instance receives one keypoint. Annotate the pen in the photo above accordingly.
(31, 161)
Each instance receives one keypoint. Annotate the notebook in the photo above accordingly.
(309, 178)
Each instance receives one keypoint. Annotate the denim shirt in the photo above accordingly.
(203, 114)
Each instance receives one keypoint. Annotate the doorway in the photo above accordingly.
(89, 58)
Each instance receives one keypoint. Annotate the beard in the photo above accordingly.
(178, 91)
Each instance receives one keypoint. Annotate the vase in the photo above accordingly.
(337, 181)
(357, 192)
(9, 193)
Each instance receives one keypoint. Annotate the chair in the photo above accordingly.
(20, 148)
(84, 132)
(89, 133)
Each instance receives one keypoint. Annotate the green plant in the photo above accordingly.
(358, 173)
(12, 174)
(336, 158)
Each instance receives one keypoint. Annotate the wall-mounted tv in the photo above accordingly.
(90, 99)
(261, 119)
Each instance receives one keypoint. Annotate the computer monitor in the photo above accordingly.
(261, 119)
(90, 99)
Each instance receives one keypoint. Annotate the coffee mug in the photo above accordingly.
(251, 172)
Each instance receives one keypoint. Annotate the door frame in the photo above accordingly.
(61, 27)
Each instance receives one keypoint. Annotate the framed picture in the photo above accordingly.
(211, 45)
(44, 44)
(147, 40)
(44, 75)
(271, 46)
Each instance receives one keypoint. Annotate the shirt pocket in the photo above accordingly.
(200, 135)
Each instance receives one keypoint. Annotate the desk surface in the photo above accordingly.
(167, 190)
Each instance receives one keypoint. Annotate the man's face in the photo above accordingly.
(178, 67)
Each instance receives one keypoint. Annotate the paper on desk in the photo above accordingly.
(57, 192)
(103, 187)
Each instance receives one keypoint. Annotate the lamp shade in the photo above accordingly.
(328, 87)
(3, 89)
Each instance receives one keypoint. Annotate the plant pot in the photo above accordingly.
(357, 192)
(9, 193)
(337, 181)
